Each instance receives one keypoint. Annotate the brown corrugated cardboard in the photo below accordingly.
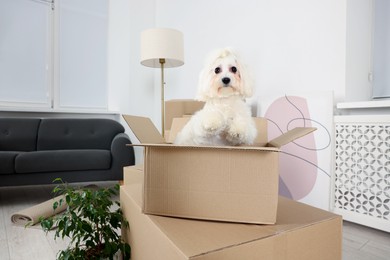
(290, 136)
(145, 129)
(177, 125)
(214, 183)
(225, 183)
(128, 177)
(301, 232)
(179, 108)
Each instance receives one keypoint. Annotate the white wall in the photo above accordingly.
(289, 45)
(131, 86)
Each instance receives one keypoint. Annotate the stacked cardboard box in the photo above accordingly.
(301, 232)
(225, 183)
(222, 184)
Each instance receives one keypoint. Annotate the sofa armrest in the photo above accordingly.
(122, 155)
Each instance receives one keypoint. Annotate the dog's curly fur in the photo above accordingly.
(225, 118)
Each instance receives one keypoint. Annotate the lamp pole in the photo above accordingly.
(162, 47)
(162, 62)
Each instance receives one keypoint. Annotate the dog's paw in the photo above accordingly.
(236, 135)
(213, 123)
(241, 134)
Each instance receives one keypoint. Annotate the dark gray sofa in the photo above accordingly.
(38, 150)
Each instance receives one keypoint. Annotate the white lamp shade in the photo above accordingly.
(162, 43)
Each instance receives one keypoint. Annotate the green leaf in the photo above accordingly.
(126, 251)
(88, 221)
(86, 227)
(55, 205)
(68, 199)
(46, 224)
(57, 180)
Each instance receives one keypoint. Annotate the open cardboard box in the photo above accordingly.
(301, 232)
(224, 183)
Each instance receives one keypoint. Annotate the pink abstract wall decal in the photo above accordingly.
(298, 160)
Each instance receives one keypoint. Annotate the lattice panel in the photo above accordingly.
(362, 173)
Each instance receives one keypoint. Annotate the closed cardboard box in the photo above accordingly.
(301, 232)
(223, 183)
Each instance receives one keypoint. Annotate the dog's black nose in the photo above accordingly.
(226, 80)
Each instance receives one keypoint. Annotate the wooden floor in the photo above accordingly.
(19, 243)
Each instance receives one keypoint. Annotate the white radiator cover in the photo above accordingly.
(361, 182)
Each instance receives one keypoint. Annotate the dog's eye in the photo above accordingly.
(233, 69)
(217, 70)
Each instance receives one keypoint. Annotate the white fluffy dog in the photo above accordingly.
(225, 118)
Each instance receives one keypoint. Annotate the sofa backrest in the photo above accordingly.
(18, 134)
(77, 133)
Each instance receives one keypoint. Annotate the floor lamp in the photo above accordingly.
(162, 48)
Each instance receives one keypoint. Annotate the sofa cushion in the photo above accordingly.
(62, 160)
(67, 133)
(18, 134)
(7, 162)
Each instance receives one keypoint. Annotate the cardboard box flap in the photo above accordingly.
(144, 129)
(262, 136)
(290, 136)
(177, 125)
(179, 108)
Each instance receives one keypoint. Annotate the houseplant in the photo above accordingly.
(89, 222)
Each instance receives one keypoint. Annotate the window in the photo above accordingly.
(381, 49)
(25, 53)
(53, 54)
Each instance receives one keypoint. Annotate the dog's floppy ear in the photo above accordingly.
(203, 84)
(246, 82)
(206, 75)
